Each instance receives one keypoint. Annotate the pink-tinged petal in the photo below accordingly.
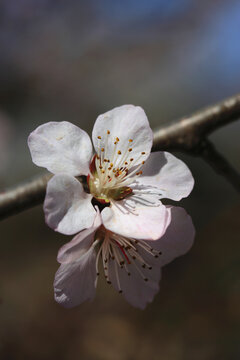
(169, 175)
(178, 239)
(74, 249)
(61, 147)
(128, 124)
(138, 288)
(75, 282)
(68, 209)
(144, 222)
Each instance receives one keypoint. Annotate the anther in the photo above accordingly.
(146, 279)
(120, 291)
(139, 173)
(126, 163)
(143, 153)
(131, 159)
(117, 139)
(143, 265)
(108, 132)
(130, 149)
(109, 282)
(98, 274)
(99, 137)
(150, 268)
(102, 149)
(130, 140)
(119, 152)
(143, 162)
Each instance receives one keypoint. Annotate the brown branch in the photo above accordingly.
(23, 196)
(187, 134)
(220, 164)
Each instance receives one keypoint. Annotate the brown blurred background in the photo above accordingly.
(72, 60)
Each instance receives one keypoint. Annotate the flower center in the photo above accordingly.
(113, 170)
(123, 253)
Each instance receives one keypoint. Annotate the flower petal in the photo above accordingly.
(75, 282)
(61, 147)
(68, 209)
(75, 248)
(130, 125)
(178, 239)
(167, 174)
(144, 222)
(140, 287)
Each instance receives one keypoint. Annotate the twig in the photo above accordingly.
(188, 134)
(220, 164)
(23, 196)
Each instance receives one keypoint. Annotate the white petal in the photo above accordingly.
(61, 147)
(178, 239)
(74, 249)
(75, 282)
(144, 222)
(68, 209)
(126, 122)
(135, 289)
(169, 175)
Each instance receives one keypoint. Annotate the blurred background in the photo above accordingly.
(72, 60)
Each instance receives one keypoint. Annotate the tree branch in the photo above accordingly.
(188, 134)
(220, 164)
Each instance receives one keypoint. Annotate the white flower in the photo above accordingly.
(135, 234)
(116, 171)
(132, 266)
